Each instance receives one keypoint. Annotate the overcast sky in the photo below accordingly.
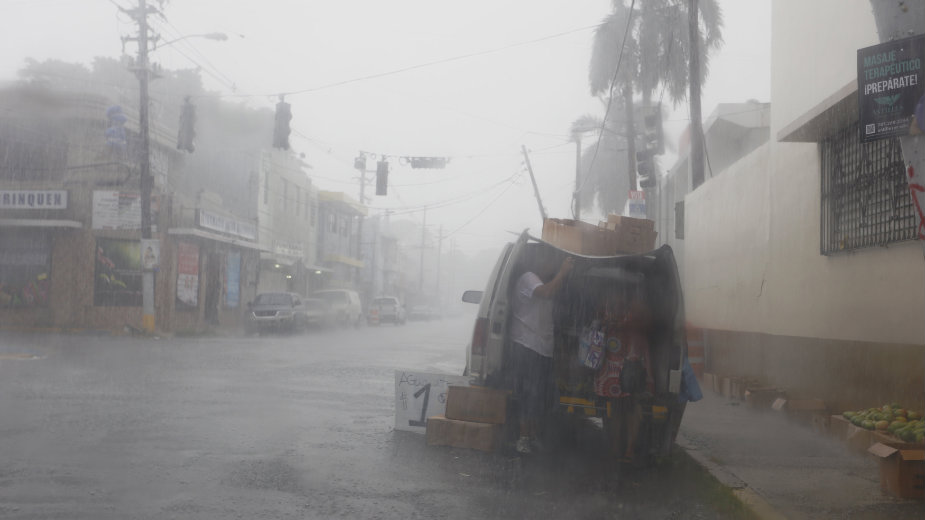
(522, 82)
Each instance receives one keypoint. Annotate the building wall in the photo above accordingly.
(846, 327)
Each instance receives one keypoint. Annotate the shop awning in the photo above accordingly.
(42, 223)
(346, 260)
(269, 256)
(198, 233)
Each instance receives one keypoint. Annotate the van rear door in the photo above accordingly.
(498, 310)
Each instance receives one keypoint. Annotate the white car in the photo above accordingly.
(345, 305)
(386, 309)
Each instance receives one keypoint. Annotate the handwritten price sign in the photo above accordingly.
(419, 396)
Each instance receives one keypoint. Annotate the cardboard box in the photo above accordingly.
(618, 221)
(708, 380)
(476, 404)
(761, 397)
(858, 439)
(801, 410)
(462, 434)
(895, 442)
(902, 472)
(578, 237)
(631, 235)
(838, 427)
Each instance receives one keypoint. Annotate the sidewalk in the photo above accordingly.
(782, 469)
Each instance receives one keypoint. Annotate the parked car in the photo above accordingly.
(345, 305)
(386, 309)
(278, 311)
(653, 275)
(318, 313)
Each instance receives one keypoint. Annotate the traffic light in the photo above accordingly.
(428, 162)
(281, 128)
(645, 168)
(382, 178)
(187, 132)
(653, 137)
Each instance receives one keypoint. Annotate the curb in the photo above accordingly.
(749, 498)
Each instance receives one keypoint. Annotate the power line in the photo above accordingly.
(613, 80)
(420, 65)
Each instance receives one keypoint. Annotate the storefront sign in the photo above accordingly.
(227, 225)
(419, 396)
(188, 273)
(890, 84)
(636, 204)
(116, 210)
(289, 248)
(232, 280)
(33, 199)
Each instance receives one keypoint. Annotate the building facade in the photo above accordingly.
(799, 260)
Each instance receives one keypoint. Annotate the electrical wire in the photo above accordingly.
(613, 80)
(420, 65)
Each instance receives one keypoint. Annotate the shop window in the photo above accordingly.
(117, 280)
(865, 198)
(25, 262)
(332, 223)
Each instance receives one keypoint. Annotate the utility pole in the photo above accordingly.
(575, 197)
(143, 71)
(536, 191)
(696, 122)
(423, 236)
(439, 252)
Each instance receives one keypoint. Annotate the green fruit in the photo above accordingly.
(868, 424)
(882, 425)
(896, 405)
(847, 415)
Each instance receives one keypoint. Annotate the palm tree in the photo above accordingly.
(639, 48)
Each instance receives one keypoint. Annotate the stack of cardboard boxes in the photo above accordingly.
(616, 235)
(474, 419)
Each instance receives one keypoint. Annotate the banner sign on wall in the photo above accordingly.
(231, 226)
(188, 273)
(890, 84)
(232, 280)
(116, 210)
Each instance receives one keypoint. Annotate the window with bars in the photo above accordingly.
(865, 198)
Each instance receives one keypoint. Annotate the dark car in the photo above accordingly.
(276, 311)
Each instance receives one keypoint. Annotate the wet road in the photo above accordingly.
(283, 427)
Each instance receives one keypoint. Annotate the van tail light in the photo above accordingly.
(480, 336)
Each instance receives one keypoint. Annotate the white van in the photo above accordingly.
(345, 305)
(653, 275)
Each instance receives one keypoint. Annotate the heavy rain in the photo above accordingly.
(409, 259)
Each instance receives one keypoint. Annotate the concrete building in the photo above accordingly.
(799, 259)
(731, 132)
(339, 239)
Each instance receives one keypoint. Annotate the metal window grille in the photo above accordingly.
(865, 198)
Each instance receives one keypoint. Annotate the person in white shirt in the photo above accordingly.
(532, 339)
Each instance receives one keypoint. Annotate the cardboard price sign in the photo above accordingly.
(420, 395)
